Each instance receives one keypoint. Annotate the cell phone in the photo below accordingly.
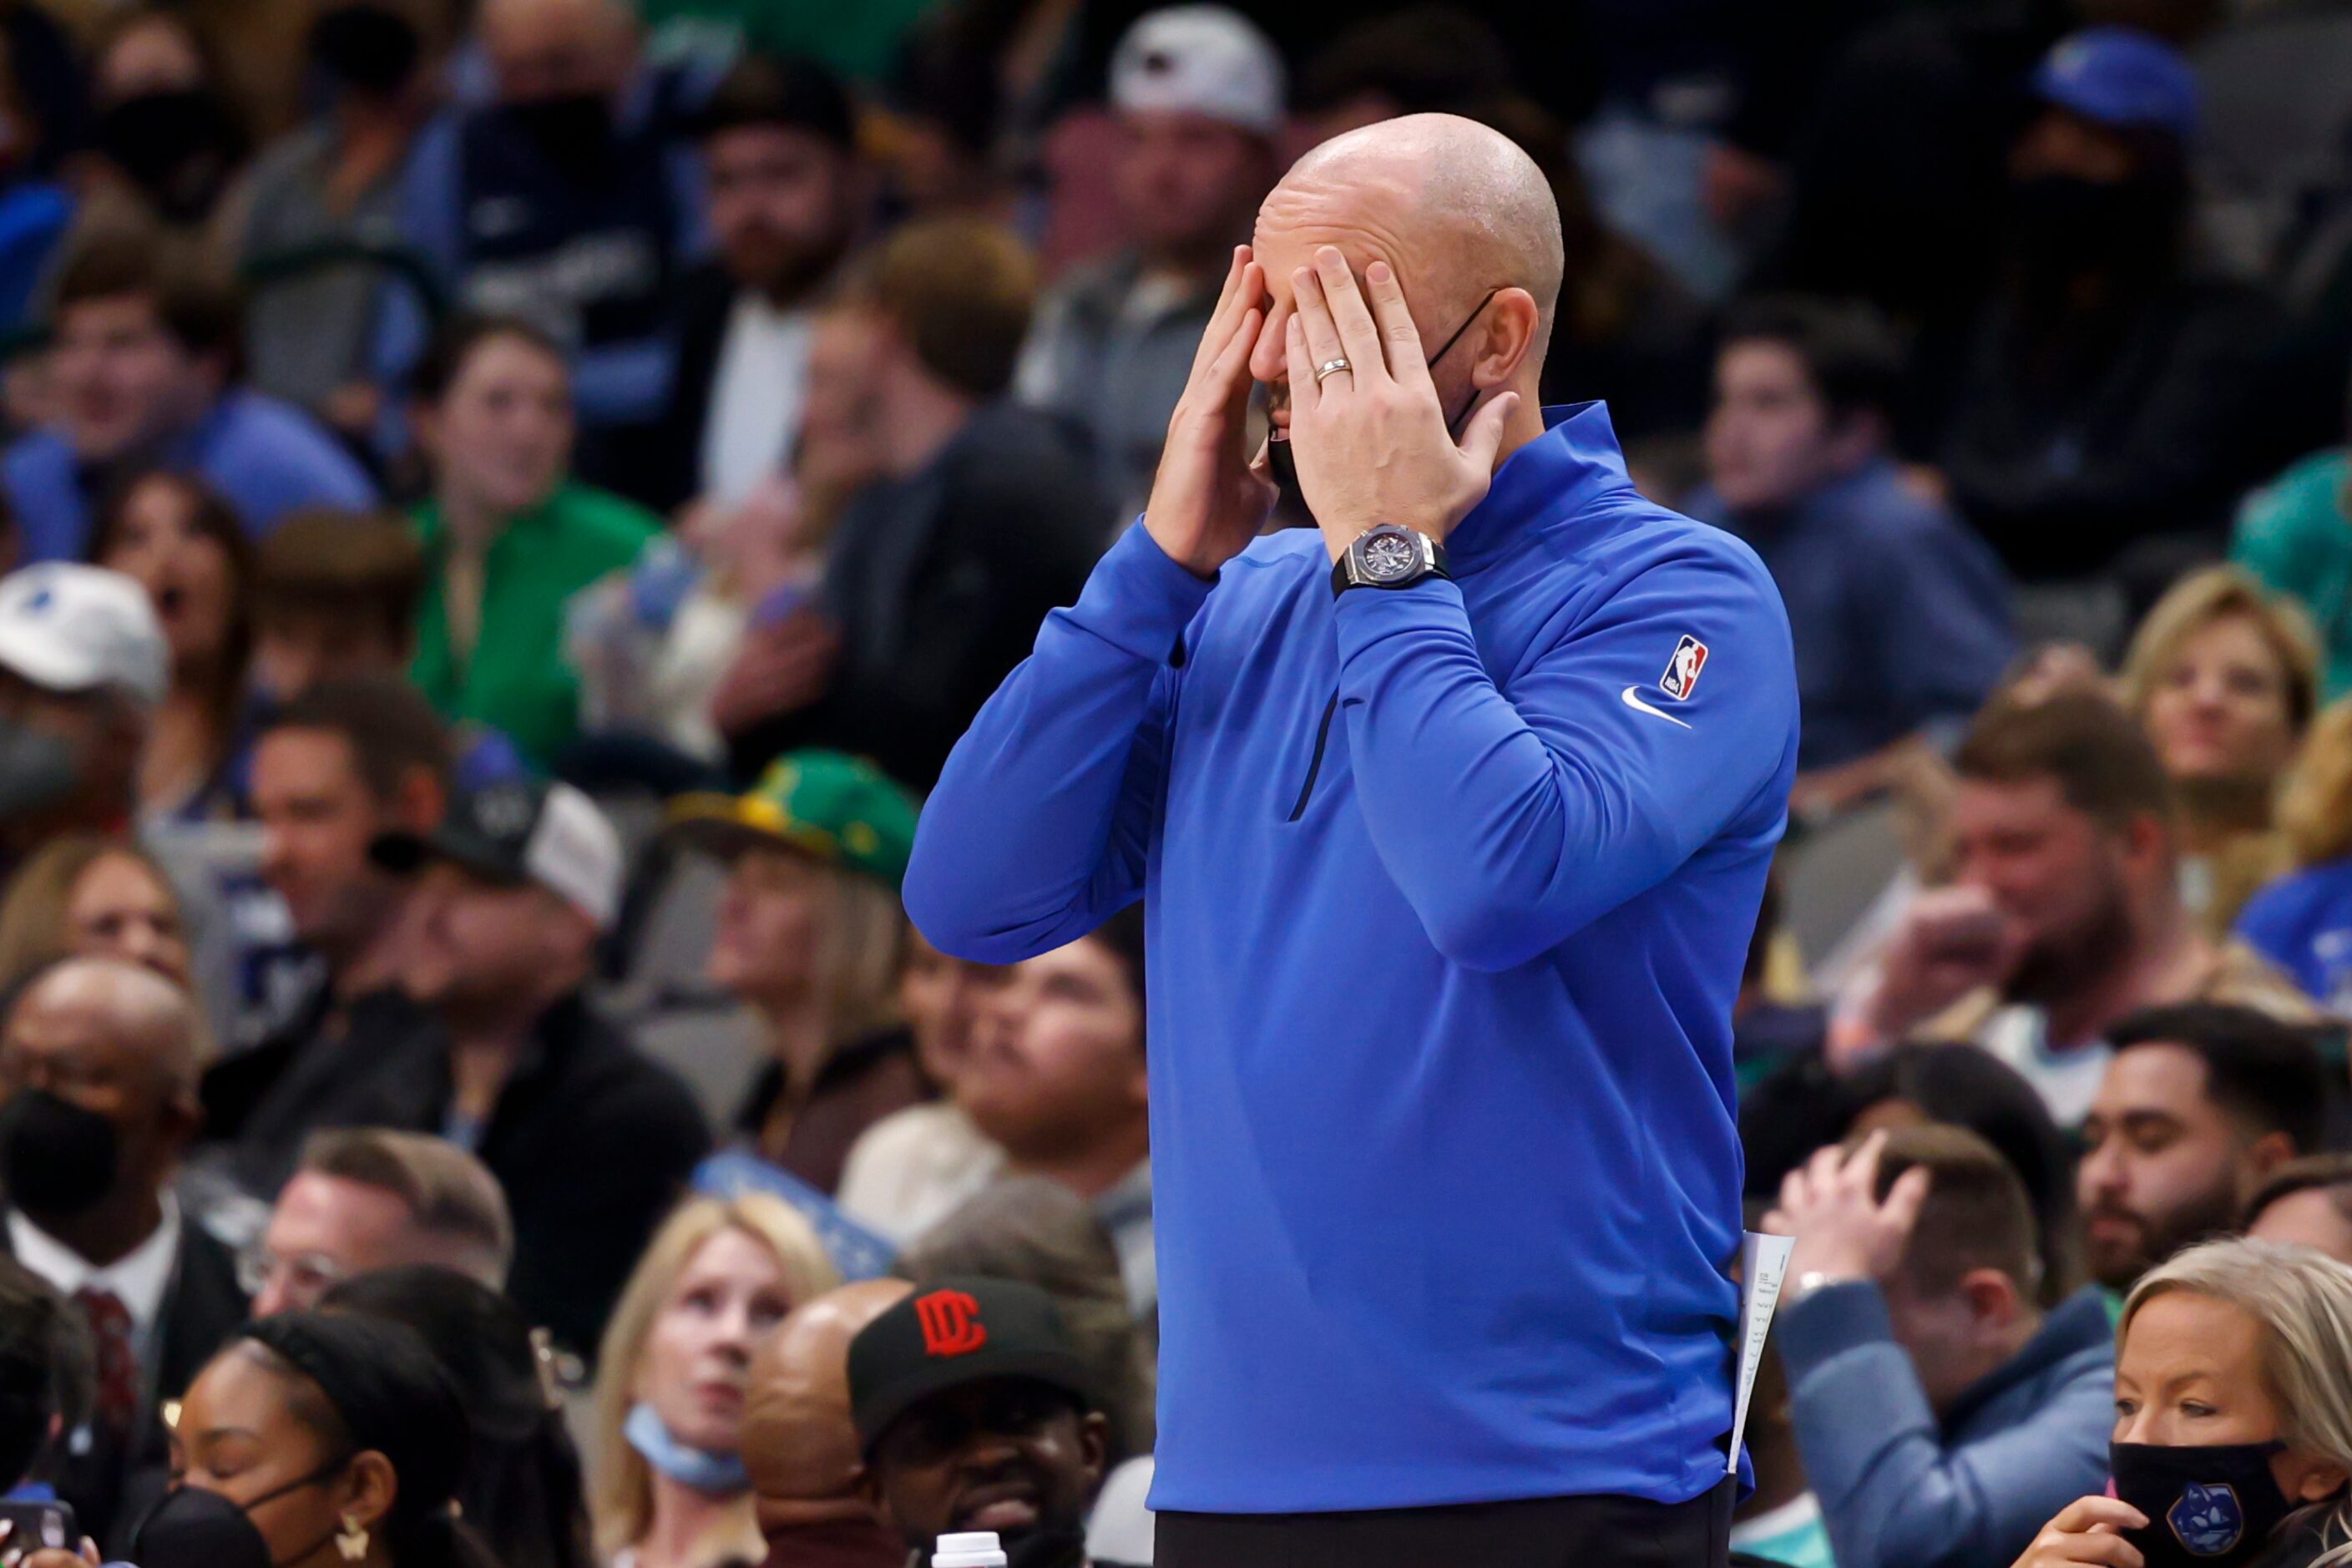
(37, 1527)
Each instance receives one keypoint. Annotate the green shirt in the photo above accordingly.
(2293, 535)
(518, 679)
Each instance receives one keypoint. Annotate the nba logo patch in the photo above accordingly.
(1682, 670)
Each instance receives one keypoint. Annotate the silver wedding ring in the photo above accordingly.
(1330, 368)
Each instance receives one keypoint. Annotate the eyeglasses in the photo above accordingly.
(308, 1275)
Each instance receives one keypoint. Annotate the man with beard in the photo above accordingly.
(2200, 1103)
(2063, 912)
(783, 193)
(974, 1411)
(98, 1067)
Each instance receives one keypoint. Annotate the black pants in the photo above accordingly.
(1543, 1533)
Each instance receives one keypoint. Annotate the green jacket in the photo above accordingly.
(518, 679)
(2294, 534)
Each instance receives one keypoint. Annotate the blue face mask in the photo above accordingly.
(720, 1475)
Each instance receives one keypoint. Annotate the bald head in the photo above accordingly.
(122, 1009)
(799, 1441)
(546, 49)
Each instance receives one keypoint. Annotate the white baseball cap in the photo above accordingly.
(68, 628)
(521, 832)
(1200, 59)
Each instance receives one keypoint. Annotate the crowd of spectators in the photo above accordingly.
(504, 511)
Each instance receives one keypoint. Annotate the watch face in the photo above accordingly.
(1388, 556)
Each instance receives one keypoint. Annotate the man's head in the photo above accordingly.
(2306, 1202)
(940, 997)
(1802, 390)
(98, 1068)
(83, 663)
(141, 345)
(338, 767)
(2098, 179)
(949, 301)
(45, 1370)
(2199, 1105)
(781, 172)
(558, 51)
(1198, 92)
(1962, 1299)
(2062, 815)
(1467, 221)
(367, 1198)
(1420, 59)
(799, 1442)
(334, 599)
(1057, 1063)
(513, 890)
(974, 1414)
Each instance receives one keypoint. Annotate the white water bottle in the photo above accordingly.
(977, 1548)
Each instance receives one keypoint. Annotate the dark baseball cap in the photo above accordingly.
(960, 1331)
(521, 832)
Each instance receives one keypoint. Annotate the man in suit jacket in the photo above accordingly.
(783, 193)
(98, 1066)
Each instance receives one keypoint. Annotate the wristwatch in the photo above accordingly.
(1388, 556)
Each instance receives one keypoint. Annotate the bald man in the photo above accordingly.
(800, 1444)
(98, 1102)
(1452, 817)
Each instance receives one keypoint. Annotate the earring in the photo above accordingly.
(351, 1541)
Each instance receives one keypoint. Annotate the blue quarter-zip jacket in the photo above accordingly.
(1446, 900)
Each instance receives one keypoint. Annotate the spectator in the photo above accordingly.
(1056, 1079)
(2252, 1466)
(2103, 397)
(916, 1166)
(323, 210)
(1900, 614)
(83, 896)
(1003, 1436)
(367, 1198)
(100, 1073)
(590, 1140)
(2225, 680)
(334, 597)
(314, 1429)
(986, 521)
(583, 168)
(177, 538)
(35, 207)
(1940, 1412)
(170, 146)
(522, 1487)
(335, 769)
(2064, 911)
(2306, 1202)
(2303, 921)
(45, 1378)
(800, 1445)
(141, 364)
(2199, 1105)
(508, 538)
(2294, 534)
(1036, 1231)
(810, 935)
(670, 1489)
(785, 187)
(1197, 90)
(1780, 1521)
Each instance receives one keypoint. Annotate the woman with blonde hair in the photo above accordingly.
(84, 896)
(2303, 921)
(2233, 1418)
(668, 1489)
(2224, 676)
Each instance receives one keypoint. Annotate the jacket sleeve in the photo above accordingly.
(1514, 807)
(1042, 821)
(1892, 1494)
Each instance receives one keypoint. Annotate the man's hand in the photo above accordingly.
(779, 670)
(1371, 441)
(2087, 1531)
(1951, 941)
(1830, 1205)
(1207, 503)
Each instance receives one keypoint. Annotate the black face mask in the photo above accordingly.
(192, 1527)
(370, 48)
(177, 147)
(2062, 225)
(573, 130)
(58, 1159)
(2215, 1504)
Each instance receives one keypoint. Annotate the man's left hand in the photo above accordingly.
(1844, 1230)
(1369, 441)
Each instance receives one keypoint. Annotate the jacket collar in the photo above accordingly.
(1575, 461)
(2078, 1324)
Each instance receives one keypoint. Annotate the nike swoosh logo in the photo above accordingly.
(1634, 703)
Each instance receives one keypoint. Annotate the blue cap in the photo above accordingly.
(2121, 77)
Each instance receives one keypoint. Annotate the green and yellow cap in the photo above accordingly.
(839, 808)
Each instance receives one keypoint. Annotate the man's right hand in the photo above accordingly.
(1206, 504)
(1951, 942)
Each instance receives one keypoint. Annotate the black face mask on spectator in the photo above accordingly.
(179, 147)
(371, 49)
(192, 1527)
(2062, 225)
(2205, 1504)
(59, 1160)
(572, 131)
